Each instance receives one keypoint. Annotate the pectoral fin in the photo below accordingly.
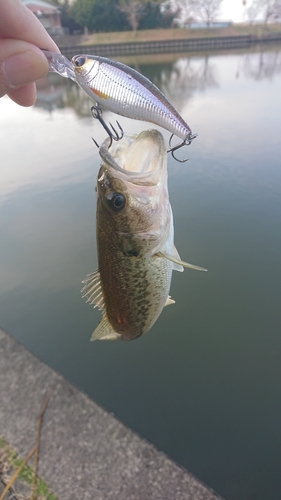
(104, 331)
(93, 291)
(176, 266)
(180, 262)
(169, 301)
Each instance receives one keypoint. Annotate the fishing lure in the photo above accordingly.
(122, 90)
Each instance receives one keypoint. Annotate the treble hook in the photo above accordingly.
(113, 134)
(186, 142)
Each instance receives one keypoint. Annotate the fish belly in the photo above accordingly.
(135, 290)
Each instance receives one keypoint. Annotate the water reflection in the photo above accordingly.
(204, 384)
(264, 65)
(50, 92)
(55, 92)
(187, 76)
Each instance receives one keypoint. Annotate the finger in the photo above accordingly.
(25, 96)
(18, 22)
(21, 63)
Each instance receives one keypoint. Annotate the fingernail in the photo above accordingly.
(24, 68)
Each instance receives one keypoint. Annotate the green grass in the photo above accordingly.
(26, 474)
(2, 442)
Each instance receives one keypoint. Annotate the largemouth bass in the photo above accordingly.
(135, 238)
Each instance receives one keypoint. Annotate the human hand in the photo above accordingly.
(21, 60)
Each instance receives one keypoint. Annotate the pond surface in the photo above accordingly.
(204, 385)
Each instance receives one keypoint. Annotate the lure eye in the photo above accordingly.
(117, 201)
(79, 61)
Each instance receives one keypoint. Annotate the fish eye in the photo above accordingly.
(117, 201)
(79, 61)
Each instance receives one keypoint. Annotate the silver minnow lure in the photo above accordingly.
(122, 90)
(126, 92)
(60, 64)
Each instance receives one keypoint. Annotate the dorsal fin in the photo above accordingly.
(93, 290)
(104, 331)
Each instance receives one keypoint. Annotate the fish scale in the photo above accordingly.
(133, 308)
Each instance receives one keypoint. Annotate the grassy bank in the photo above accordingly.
(167, 34)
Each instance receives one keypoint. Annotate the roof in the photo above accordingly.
(41, 5)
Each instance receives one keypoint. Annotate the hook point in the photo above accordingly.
(185, 142)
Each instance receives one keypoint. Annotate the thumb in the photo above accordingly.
(21, 64)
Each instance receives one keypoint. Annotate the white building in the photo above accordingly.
(48, 14)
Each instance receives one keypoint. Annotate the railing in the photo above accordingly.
(165, 46)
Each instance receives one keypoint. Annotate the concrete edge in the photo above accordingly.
(85, 452)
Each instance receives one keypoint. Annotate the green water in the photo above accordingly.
(204, 385)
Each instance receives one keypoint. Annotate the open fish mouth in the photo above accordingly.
(139, 158)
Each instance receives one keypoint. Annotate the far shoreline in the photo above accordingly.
(234, 30)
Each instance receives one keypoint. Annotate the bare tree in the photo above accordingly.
(265, 65)
(133, 9)
(269, 9)
(204, 10)
(253, 11)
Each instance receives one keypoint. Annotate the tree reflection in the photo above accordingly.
(188, 75)
(54, 92)
(78, 100)
(180, 79)
(263, 65)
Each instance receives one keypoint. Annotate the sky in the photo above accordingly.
(232, 10)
